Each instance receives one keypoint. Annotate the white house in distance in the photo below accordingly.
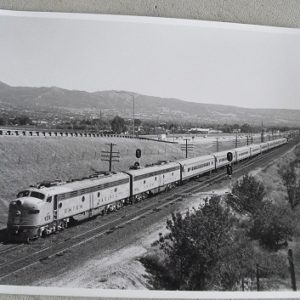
(204, 130)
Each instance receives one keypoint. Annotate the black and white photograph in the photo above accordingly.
(142, 153)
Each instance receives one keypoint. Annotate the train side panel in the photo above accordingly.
(150, 178)
(221, 158)
(242, 153)
(93, 194)
(196, 166)
(255, 150)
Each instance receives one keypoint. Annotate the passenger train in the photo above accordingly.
(50, 206)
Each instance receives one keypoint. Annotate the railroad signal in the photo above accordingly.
(138, 153)
(229, 156)
(229, 170)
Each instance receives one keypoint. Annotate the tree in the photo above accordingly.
(118, 125)
(202, 250)
(247, 195)
(137, 122)
(289, 179)
(246, 128)
(22, 120)
(273, 227)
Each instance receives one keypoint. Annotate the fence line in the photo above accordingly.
(46, 133)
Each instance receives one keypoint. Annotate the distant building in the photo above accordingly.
(238, 130)
(215, 131)
(199, 130)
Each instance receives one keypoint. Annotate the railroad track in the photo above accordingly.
(11, 265)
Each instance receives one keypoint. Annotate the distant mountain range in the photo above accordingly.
(146, 107)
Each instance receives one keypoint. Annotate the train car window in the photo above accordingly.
(60, 205)
(116, 189)
(37, 195)
(49, 199)
(82, 199)
(98, 194)
(23, 194)
(155, 178)
(144, 181)
(172, 173)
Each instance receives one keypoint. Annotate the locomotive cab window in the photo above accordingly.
(49, 199)
(37, 195)
(23, 194)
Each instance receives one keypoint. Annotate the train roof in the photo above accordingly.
(78, 184)
(196, 159)
(222, 153)
(242, 148)
(254, 145)
(152, 168)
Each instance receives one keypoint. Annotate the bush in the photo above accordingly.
(247, 196)
(202, 251)
(273, 227)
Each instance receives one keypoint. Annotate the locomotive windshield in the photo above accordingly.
(32, 194)
(37, 195)
(23, 194)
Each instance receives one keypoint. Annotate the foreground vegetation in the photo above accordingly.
(236, 244)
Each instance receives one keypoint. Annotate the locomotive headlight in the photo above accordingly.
(18, 213)
(19, 202)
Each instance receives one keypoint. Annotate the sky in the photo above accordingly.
(205, 62)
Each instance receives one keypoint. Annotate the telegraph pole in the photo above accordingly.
(292, 269)
(110, 156)
(257, 277)
(187, 147)
(133, 131)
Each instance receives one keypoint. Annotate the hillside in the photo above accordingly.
(146, 107)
